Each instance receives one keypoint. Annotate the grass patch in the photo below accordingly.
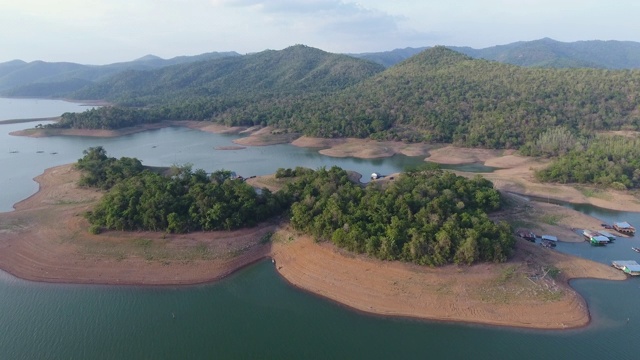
(142, 243)
(551, 219)
(516, 224)
(266, 238)
(506, 274)
(591, 192)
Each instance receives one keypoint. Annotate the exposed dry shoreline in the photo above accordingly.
(46, 239)
(519, 293)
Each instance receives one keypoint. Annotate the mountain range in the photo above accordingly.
(61, 79)
(436, 95)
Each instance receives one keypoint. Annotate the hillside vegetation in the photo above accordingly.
(437, 96)
(426, 216)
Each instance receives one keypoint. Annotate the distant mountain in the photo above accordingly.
(551, 53)
(293, 70)
(19, 78)
(538, 53)
(389, 58)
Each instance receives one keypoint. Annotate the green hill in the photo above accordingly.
(441, 95)
(537, 53)
(290, 71)
(437, 95)
(19, 78)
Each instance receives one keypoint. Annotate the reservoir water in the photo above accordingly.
(254, 313)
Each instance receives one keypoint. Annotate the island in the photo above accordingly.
(47, 238)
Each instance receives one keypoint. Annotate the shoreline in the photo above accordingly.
(514, 173)
(34, 247)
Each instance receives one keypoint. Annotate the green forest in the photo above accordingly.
(429, 217)
(181, 201)
(426, 216)
(608, 161)
(436, 96)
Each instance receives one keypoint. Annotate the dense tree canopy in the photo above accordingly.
(426, 216)
(429, 217)
(437, 96)
(184, 201)
(610, 161)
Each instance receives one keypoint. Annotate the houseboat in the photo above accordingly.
(607, 234)
(595, 238)
(624, 228)
(627, 266)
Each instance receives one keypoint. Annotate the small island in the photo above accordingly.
(51, 238)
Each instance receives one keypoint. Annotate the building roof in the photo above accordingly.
(600, 238)
(632, 268)
(623, 225)
(607, 234)
(626, 263)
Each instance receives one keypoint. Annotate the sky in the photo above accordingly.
(108, 31)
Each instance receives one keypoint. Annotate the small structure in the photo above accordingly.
(548, 244)
(624, 228)
(550, 238)
(526, 234)
(595, 238)
(627, 266)
(375, 176)
(607, 234)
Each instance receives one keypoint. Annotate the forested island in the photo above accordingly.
(426, 216)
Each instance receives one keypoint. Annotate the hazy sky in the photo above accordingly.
(106, 31)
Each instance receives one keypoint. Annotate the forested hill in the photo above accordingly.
(441, 95)
(538, 53)
(294, 70)
(47, 79)
(438, 95)
(551, 53)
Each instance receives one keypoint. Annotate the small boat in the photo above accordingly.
(636, 249)
(548, 244)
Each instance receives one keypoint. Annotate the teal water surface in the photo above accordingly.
(255, 314)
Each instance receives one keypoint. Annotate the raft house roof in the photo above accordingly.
(630, 265)
(623, 225)
(607, 234)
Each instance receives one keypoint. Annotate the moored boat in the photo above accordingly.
(627, 266)
(636, 249)
(624, 228)
(595, 238)
(607, 234)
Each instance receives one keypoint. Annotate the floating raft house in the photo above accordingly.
(624, 227)
(595, 238)
(627, 266)
(608, 235)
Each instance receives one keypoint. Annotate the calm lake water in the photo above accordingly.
(255, 314)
